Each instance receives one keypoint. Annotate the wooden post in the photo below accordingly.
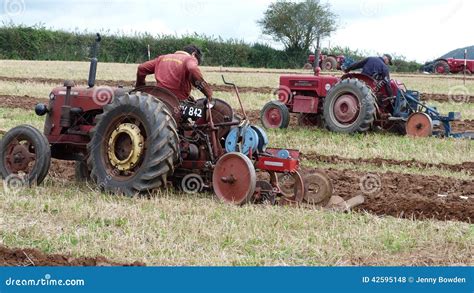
(149, 54)
(465, 65)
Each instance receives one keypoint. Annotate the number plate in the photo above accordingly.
(192, 112)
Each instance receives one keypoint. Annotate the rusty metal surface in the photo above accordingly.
(419, 125)
(234, 178)
(19, 155)
(318, 188)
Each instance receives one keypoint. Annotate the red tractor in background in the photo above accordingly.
(354, 103)
(450, 65)
(326, 62)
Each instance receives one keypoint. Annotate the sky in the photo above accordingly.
(420, 30)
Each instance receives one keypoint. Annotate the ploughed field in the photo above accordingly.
(419, 192)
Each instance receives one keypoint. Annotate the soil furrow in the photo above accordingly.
(222, 88)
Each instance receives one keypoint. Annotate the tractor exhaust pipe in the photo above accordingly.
(317, 54)
(94, 60)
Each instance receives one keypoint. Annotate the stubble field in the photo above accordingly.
(420, 214)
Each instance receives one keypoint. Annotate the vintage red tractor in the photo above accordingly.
(134, 141)
(326, 62)
(449, 65)
(354, 103)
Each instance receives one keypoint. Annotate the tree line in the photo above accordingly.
(40, 43)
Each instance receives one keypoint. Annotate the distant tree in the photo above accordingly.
(298, 25)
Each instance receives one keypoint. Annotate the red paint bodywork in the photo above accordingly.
(302, 93)
(306, 93)
(277, 164)
(457, 65)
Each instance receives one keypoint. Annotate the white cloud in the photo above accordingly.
(421, 33)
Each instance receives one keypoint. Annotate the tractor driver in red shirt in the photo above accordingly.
(178, 73)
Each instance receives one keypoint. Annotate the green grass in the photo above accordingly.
(10, 118)
(374, 145)
(176, 229)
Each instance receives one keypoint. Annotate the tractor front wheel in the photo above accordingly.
(25, 156)
(275, 114)
(133, 146)
(349, 107)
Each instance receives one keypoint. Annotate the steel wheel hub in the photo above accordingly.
(273, 116)
(20, 156)
(419, 125)
(234, 178)
(346, 109)
(125, 147)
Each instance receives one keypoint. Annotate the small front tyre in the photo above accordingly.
(25, 155)
(275, 114)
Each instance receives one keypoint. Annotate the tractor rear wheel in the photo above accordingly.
(25, 156)
(134, 145)
(275, 114)
(330, 63)
(441, 67)
(349, 107)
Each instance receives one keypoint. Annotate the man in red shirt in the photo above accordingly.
(177, 72)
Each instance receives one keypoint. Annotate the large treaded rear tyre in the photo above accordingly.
(143, 153)
(349, 107)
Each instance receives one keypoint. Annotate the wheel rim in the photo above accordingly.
(440, 69)
(419, 125)
(124, 147)
(346, 109)
(20, 156)
(234, 178)
(273, 117)
(327, 65)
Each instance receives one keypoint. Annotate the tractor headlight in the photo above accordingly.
(41, 109)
